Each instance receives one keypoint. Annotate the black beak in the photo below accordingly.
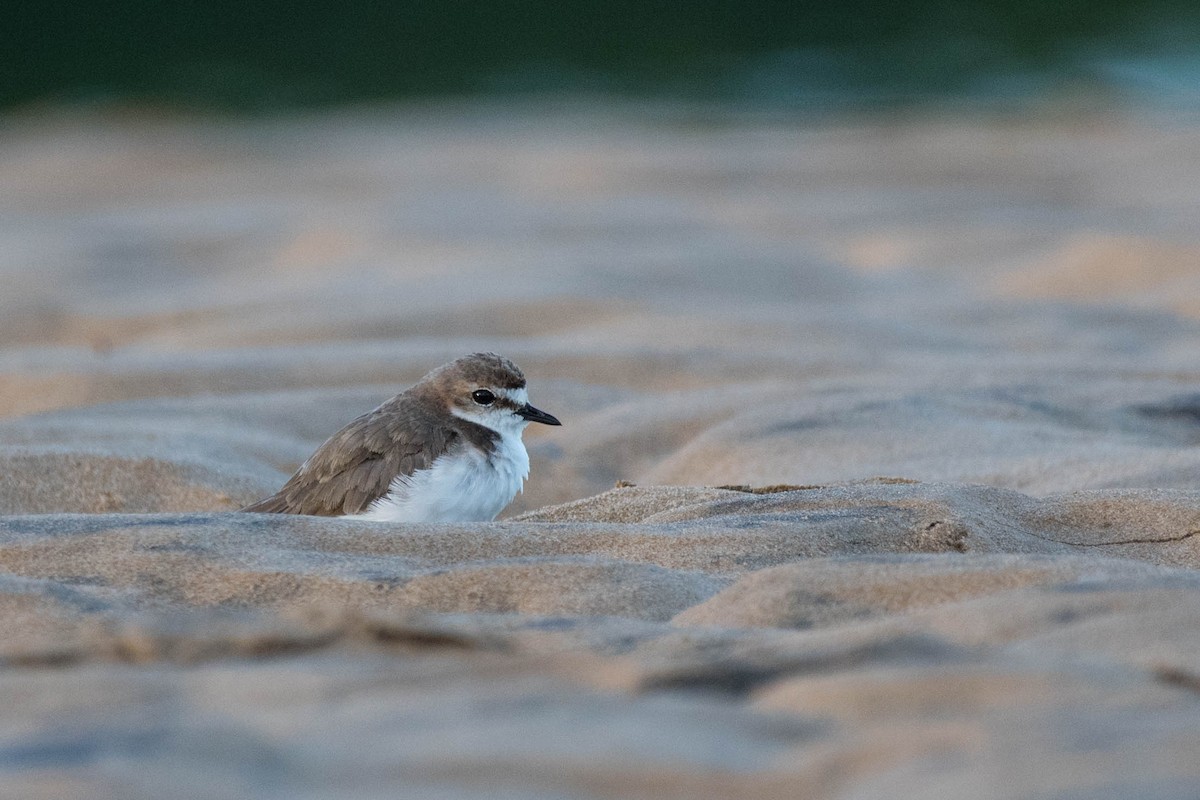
(533, 415)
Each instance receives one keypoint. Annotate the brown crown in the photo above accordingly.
(478, 369)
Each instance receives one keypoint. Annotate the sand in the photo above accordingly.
(959, 358)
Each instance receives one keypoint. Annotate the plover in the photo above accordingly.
(448, 449)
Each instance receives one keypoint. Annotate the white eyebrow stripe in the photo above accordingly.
(518, 396)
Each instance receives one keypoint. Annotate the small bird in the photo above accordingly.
(448, 449)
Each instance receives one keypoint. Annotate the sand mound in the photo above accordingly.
(819, 592)
(40, 483)
(1114, 269)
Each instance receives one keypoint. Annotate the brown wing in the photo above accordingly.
(355, 467)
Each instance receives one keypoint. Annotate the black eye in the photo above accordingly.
(483, 397)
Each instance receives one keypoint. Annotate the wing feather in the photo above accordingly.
(356, 466)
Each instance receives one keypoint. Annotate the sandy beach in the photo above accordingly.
(879, 473)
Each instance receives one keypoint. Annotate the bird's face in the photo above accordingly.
(504, 410)
(486, 389)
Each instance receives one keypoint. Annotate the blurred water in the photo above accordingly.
(280, 55)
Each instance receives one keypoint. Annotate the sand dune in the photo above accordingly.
(904, 417)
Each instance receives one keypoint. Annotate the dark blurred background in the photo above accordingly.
(273, 55)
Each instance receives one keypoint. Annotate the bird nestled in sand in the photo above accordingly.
(448, 449)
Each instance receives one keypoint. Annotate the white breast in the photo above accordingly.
(464, 485)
